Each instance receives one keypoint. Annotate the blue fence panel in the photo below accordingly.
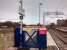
(38, 41)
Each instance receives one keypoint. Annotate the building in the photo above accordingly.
(62, 22)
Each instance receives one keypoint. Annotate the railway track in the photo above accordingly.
(60, 38)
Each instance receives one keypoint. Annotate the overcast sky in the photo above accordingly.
(9, 10)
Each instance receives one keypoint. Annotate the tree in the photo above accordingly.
(52, 25)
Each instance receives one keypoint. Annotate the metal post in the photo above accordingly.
(43, 19)
(21, 28)
(21, 23)
(21, 13)
(21, 18)
(39, 15)
(39, 11)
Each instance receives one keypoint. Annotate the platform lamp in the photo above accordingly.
(40, 4)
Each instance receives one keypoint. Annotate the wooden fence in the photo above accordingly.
(6, 39)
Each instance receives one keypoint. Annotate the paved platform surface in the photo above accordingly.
(50, 41)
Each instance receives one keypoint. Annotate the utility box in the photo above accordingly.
(42, 38)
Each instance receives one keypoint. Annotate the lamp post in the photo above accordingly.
(43, 18)
(39, 11)
(40, 4)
